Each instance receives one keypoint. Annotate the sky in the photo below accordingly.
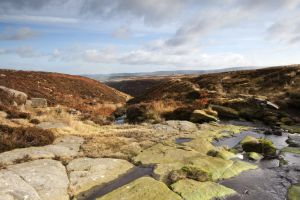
(114, 36)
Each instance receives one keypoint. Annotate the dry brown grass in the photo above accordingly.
(20, 137)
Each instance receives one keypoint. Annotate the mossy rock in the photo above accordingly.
(191, 173)
(254, 156)
(220, 168)
(142, 188)
(294, 192)
(248, 139)
(226, 112)
(194, 190)
(293, 150)
(262, 146)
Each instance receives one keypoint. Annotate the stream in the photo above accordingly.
(269, 182)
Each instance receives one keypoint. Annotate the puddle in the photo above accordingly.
(182, 140)
(120, 120)
(132, 175)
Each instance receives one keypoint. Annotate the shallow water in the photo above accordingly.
(132, 175)
(182, 140)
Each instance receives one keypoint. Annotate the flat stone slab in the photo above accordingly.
(48, 178)
(13, 187)
(144, 188)
(64, 148)
(87, 173)
(190, 189)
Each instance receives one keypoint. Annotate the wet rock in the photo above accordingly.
(273, 132)
(222, 153)
(13, 187)
(47, 177)
(38, 102)
(262, 146)
(86, 173)
(293, 140)
(64, 148)
(202, 116)
(142, 188)
(226, 112)
(294, 192)
(190, 189)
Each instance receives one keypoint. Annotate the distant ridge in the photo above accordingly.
(124, 76)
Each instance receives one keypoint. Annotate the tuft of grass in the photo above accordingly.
(20, 137)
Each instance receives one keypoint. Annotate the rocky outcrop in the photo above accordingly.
(63, 148)
(14, 187)
(86, 173)
(202, 116)
(225, 112)
(46, 180)
(17, 97)
(142, 188)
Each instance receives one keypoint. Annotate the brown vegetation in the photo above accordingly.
(77, 92)
(17, 137)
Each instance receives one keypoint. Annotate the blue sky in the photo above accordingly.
(112, 36)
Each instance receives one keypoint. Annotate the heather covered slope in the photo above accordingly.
(277, 83)
(72, 91)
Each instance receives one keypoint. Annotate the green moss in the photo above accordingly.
(142, 188)
(236, 169)
(294, 150)
(194, 190)
(254, 156)
(294, 192)
(222, 153)
(248, 139)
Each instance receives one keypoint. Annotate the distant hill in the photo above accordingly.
(129, 76)
(73, 91)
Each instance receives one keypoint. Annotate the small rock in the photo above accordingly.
(38, 102)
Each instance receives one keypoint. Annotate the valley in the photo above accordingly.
(230, 135)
